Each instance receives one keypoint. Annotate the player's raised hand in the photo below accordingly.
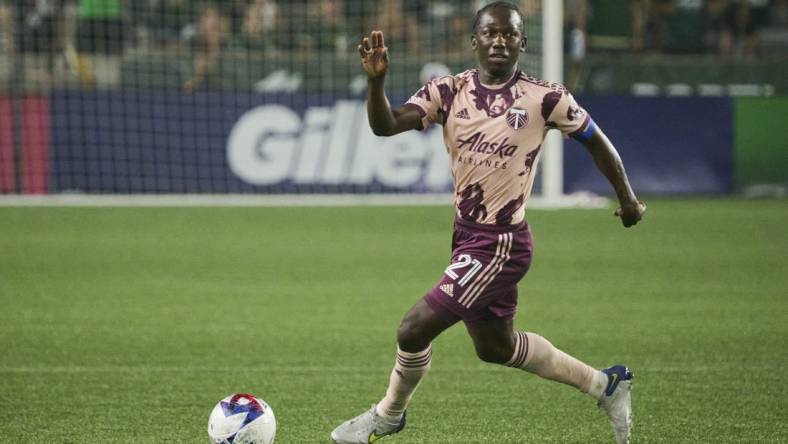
(374, 55)
(631, 213)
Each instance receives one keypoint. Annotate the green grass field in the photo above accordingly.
(128, 325)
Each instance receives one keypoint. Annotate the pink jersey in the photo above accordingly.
(494, 136)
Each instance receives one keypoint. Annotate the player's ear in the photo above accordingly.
(523, 44)
(474, 43)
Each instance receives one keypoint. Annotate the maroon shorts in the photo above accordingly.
(480, 283)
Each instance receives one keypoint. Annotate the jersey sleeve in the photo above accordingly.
(571, 119)
(428, 101)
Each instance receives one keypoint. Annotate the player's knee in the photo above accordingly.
(494, 354)
(409, 337)
(419, 327)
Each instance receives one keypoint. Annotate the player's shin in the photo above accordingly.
(408, 371)
(537, 355)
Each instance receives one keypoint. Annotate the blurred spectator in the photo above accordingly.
(640, 21)
(291, 30)
(458, 45)
(37, 29)
(212, 38)
(575, 24)
(295, 29)
(166, 21)
(6, 27)
(445, 29)
(647, 28)
(41, 27)
(729, 27)
(685, 27)
(741, 21)
(714, 24)
(99, 42)
(236, 12)
(256, 25)
(779, 13)
(327, 29)
(608, 24)
(669, 25)
(401, 29)
(100, 27)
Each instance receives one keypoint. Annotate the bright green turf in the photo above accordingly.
(127, 325)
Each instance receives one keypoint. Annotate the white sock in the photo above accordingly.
(387, 417)
(408, 370)
(537, 355)
(598, 384)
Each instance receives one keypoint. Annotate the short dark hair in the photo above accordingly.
(498, 4)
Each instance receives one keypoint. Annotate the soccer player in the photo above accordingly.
(494, 121)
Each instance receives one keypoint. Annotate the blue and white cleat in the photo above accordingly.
(616, 401)
(366, 428)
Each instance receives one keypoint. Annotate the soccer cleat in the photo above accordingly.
(366, 428)
(617, 402)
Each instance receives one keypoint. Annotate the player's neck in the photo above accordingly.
(491, 80)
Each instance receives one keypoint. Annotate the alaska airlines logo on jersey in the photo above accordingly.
(517, 118)
(477, 144)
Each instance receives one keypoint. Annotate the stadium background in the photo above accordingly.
(128, 324)
(106, 96)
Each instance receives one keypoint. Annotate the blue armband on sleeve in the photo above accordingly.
(583, 135)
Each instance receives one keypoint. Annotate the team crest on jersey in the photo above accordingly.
(517, 118)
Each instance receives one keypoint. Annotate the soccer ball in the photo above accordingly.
(242, 418)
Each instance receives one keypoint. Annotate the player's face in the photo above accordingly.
(498, 41)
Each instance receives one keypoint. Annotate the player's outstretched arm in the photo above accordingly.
(609, 162)
(383, 120)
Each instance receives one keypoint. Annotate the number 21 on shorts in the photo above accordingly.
(463, 261)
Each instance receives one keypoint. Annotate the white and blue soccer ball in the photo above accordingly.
(242, 418)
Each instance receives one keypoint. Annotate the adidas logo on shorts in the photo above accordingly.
(448, 289)
(463, 114)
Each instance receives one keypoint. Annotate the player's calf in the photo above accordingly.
(537, 355)
(611, 386)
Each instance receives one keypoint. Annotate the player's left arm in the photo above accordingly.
(609, 163)
(571, 119)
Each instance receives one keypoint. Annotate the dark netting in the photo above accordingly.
(222, 96)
